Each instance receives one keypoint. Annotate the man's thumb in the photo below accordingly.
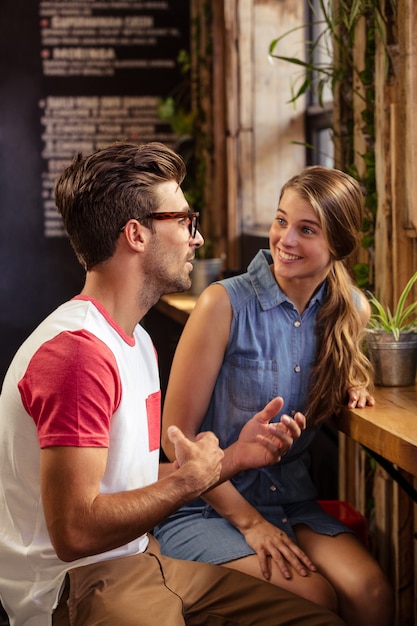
(174, 434)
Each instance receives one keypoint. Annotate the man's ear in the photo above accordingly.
(136, 235)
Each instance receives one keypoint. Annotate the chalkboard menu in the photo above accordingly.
(74, 75)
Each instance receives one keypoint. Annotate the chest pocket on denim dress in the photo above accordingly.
(251, 383)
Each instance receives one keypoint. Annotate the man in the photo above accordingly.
(80, 418)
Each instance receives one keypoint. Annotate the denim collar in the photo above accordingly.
(266, 287)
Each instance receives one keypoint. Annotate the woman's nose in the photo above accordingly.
(289, 237)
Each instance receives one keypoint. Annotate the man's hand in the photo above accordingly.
(202, 457)
(261, 443)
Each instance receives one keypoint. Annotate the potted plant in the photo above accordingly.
(392, 339)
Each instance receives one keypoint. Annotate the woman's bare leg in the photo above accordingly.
(313, 587)
(364, 594)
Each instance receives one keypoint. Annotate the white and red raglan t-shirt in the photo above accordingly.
(78, 380)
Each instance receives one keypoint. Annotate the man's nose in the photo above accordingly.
(197, 241)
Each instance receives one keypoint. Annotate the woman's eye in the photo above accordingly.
(308, 231)
(281, 221)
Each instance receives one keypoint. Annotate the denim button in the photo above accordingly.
(297, 368)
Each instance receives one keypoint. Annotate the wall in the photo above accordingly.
(74, 75)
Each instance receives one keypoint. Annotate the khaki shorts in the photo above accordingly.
(153, 590)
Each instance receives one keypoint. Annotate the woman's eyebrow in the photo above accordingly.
(304, 220)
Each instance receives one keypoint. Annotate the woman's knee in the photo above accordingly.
(375, 595)
(313, 587)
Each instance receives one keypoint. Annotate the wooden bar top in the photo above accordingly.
(389, 428)
(177, 306)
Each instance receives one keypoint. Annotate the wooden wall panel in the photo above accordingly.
(231, 29)
(260, 123)
(404, 564)
(396, 154)
(391, 524)
(407, 20)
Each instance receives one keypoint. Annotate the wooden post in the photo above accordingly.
(404, 564)
(407, 20)
(231, 23)
(405, 143)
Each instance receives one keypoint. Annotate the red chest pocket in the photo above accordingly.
(153, 410)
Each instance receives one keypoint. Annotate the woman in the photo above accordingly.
(291, 326)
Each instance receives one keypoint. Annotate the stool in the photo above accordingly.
(349, 516)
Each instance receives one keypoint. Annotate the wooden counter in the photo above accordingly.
(389, 428)
(177, 306)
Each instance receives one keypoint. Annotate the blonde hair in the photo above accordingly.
(340, 363)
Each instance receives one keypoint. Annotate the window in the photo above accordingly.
(319, 139)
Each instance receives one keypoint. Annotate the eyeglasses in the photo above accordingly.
(172, 215)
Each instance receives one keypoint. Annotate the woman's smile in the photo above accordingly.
(286, 256)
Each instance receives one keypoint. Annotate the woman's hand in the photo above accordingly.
(359, 397)
(271, 543)
(262, 442)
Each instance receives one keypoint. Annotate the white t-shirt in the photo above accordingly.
(78, 380)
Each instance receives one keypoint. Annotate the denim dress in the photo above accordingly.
(271, 352)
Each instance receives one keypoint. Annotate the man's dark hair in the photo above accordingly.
(97, 194)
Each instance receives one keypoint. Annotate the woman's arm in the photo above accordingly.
(359, 396)
(268, 541)
(364, 309)
(196, 364)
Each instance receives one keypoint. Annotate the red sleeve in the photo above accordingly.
(71, 389)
